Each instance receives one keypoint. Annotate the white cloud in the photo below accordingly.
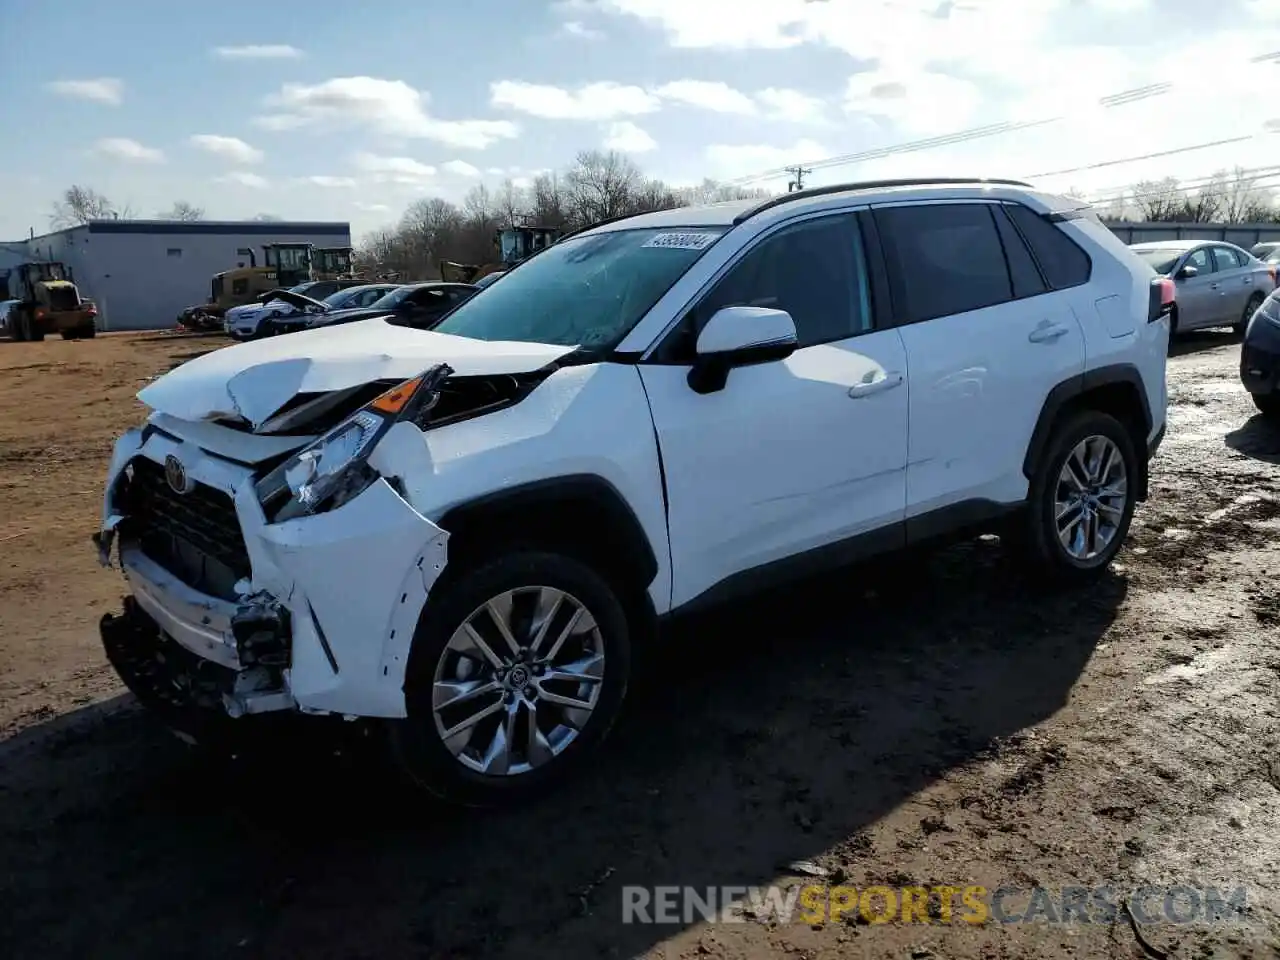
(228, 148)
(402, 170)
(916, 103)
(371, 207)
(331, 182)
(244, 179)
(709, 95)
(460, 168)
(258, 51)
(594, 101)
(791, 105)
(578, 29)
(106, 90)
(625, 136)
(122, 148)
(391, 108)
(522, 183)
(730, 161)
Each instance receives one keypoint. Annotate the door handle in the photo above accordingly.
(873, 384)
(1047, 331)
(1214, 285)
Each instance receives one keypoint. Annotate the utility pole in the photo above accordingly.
(798, 182)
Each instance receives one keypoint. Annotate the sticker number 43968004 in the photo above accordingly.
(682, 241)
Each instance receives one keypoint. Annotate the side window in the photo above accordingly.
(1226, 258)
(944, 258)
(1026, 278)
(1201, 261)
(1064, 264)
(813, 270)
(240, 287)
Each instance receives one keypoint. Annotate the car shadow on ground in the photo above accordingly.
(1196, 341)
(1258, 439)
(771, 732)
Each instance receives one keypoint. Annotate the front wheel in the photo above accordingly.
(1082, 496)
(1250, 309)
(1268, 405)
(518, 671)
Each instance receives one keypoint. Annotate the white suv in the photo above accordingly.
(465, 532)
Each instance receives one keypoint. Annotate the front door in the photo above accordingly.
(1199, 299)
(793, 455)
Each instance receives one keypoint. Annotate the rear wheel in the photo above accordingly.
(1082, 496)
(68, 334)
(518, 670)
(34, 331)
(88, 332)
(18, 325)
(1250, 309)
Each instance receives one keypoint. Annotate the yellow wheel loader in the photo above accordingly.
(513, 245)
(284, 265)
(48, 301)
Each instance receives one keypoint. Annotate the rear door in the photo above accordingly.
(986, 337)
(1236, 281)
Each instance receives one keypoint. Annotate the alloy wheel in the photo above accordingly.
(518, 681)
(1090, 498)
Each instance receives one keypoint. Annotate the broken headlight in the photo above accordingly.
(335, 468)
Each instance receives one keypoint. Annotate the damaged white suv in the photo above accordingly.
(463, 533)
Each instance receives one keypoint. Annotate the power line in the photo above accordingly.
(1145, 156)
(1254, 178)
(1121, 98)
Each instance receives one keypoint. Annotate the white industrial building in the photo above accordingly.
(143, 273)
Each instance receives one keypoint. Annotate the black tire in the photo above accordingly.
(19, 322)
(1039, 537)
(34, 333)
(417, 743)
(1268, 405)
(88, 332)
(68, 334)
(1250, 308)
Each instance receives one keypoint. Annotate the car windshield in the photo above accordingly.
(1161, 261)
(302, 288)
(587, 291)
(342, 297)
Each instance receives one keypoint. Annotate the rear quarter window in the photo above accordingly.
(1061, 261)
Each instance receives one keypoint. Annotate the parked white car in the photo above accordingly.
(462, 534)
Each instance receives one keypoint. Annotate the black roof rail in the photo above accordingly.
(865, 185)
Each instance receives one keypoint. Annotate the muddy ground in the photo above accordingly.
(962, 728)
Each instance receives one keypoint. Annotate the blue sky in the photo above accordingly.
(352, 111)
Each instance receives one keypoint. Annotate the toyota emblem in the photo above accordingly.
(175, 474)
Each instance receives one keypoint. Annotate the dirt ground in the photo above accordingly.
(959, 728)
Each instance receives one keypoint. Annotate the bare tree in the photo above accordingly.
(1159, 200)
(181, 210)
(601, 185)
(513, 204)
(82, 204)
(550, 207)
(1241, 199)
(598, 185)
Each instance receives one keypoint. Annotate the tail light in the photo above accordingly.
(1272, 271)
(91, 310)
(1161, 299)
(40, 314)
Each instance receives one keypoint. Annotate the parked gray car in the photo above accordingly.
(1218, 284)
(1268, 251)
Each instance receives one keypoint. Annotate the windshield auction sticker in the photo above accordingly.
(682, 241)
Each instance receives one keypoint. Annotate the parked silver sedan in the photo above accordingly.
(1217, 284)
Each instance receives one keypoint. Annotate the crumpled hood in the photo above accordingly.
(254, 380)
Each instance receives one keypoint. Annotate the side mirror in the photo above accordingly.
(738, 337)
(1186, 273)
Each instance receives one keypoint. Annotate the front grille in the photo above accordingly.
(63, 298)
(195, 536)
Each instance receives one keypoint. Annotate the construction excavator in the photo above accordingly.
(512, 245)
(284, 265)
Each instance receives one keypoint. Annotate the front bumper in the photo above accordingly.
(324, 621)
(1259, 369)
